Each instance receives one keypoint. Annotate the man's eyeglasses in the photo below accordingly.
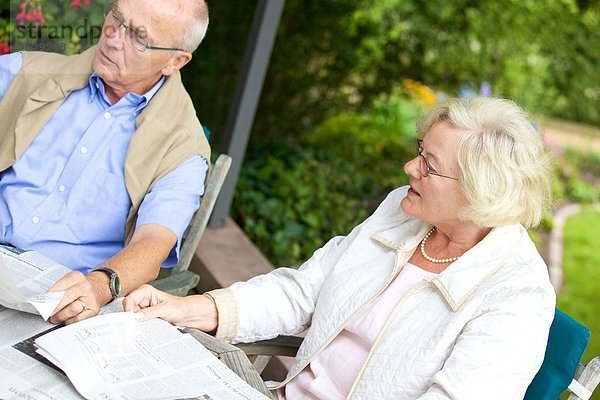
(135, 37)
(426, 168)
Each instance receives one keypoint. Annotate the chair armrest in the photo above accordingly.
(178, 284)
(280, 346)
(233, 358)
(260, 353)
(588, 377)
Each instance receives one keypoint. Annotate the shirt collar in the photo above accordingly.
(97, 88)
(460, 280)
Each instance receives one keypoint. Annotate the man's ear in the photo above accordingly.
(176, 63)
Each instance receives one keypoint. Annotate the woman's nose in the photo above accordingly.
(412, 168)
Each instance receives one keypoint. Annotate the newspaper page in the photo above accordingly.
(24, 374)
(21, 376)
(113, 356)
(25, 277)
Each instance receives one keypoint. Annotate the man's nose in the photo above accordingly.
(115, 36)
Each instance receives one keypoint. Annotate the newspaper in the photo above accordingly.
(24, 377)
(25, 374)
(113, 356)
(110, 356)
(25, 277)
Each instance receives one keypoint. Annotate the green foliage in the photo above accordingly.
(211, 76)
(334, 56)
(294, 196)
(63, 26)
(580, 297)
(381, 136)
(577, 177)
(291, 204)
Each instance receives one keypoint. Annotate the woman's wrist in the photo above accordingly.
(200, 313)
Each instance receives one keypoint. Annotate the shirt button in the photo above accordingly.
(35, 220)
(106, 115)
(62, 188)
(83, 150)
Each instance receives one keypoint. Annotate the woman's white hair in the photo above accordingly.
(505, 169)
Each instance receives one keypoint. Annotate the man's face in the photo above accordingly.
(118, 59)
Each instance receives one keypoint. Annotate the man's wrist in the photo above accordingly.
(113, 282)
(100, 282)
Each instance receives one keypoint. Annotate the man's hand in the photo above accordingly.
(84, 295)
(197, 311)
(138, 263)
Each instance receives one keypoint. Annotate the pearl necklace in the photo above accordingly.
(431, 259)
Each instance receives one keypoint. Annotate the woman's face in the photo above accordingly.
(435, 199)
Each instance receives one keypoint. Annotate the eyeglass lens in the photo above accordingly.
(423, 162)
(131, 34)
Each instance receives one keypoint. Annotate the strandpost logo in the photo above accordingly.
(45, 37)
(61, 26)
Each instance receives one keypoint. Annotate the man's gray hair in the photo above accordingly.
(196, 25)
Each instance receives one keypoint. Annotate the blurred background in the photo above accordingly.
(346, 82)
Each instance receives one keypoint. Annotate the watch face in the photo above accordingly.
(117, 285)
(114, 282)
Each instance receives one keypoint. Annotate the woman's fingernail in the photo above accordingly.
(139, 316)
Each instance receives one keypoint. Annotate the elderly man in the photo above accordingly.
(102, 159)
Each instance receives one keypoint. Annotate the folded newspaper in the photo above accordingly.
(25, 277)
(113, 356)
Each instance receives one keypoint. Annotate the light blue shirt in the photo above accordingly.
(66, 197)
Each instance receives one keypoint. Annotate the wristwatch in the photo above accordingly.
(114, 283)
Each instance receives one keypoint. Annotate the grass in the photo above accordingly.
(580, 297)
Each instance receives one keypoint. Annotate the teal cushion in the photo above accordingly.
(566, 343)
(206, 131)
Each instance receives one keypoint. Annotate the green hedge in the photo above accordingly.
(293, 196)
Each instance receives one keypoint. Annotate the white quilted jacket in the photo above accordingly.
(478, 331)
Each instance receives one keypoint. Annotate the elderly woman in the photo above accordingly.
(440, 294)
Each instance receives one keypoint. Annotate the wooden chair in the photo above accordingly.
(179, 280)
(567, 341)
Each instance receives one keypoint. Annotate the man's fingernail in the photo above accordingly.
(139, 316)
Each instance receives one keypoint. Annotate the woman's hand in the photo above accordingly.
(197, 311)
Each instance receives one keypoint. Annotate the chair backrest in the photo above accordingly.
(193, 233)
(566, 343)
(178, 280)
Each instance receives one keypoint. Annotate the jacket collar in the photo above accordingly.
(460, 280)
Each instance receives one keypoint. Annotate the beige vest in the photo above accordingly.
(168, 131)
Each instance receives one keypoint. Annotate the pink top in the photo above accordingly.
(333, 372)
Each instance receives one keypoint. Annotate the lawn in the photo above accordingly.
(580, 297)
